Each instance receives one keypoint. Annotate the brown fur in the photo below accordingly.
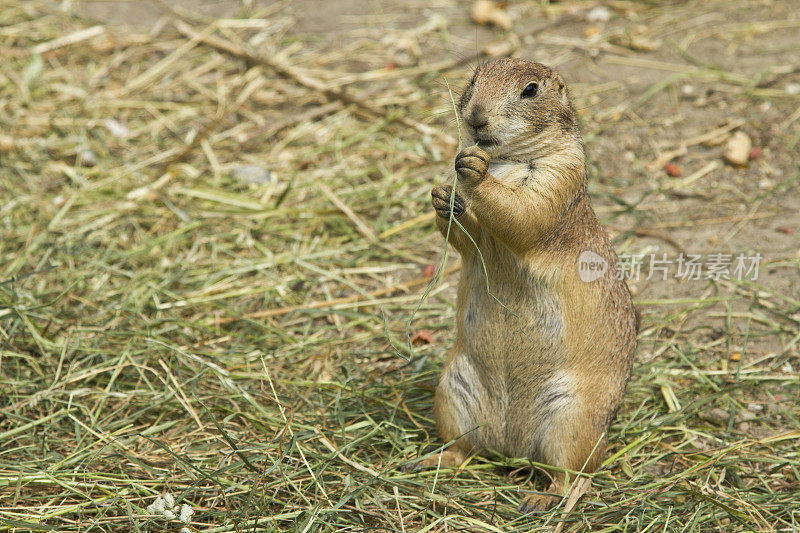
(542, 374)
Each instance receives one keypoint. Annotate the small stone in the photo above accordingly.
(765, 183)
(117, 128)
(87, 157)
(6, 143)
(591, 31)
(500, 48)
(737, 150)
(640, 43)
(103, 43)
(793, 89)
(252, 174)
(598, 14)
(673, 170)
(755, 153)
(745, 415)
(715, 416)
(488, 13)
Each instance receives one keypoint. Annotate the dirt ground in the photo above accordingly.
(684, 45)
(212, 252)
(693, 52)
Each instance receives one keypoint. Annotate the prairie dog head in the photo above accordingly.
(519, 110)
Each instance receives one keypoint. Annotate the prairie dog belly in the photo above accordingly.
(517, 316)
(512, 354)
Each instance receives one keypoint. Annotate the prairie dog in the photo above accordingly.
(539, 366)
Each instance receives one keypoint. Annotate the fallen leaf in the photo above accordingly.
(581, 487)
(423, 336)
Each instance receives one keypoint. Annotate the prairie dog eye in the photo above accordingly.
(530, 90)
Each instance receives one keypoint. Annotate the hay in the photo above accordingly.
(172, 323)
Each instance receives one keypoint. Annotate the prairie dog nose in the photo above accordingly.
(478, 117)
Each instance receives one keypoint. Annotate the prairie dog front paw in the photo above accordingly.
(472, 165)
(440, 198)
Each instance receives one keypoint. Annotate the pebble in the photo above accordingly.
(502, 47)
(488, 13)
(715, 416)
(117, 128)
(673, 170)
(87, 157)
(598, 14)
(254, 174)
(745, 415)
(737, 150)
(6, 143)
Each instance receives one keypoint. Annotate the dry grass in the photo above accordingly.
(166, 325)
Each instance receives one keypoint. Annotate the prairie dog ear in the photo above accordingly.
(561, 88)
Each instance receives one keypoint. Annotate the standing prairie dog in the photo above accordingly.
(541, 359)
